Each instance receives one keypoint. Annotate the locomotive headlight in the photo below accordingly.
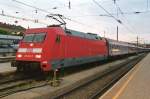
(37, 56)
(44, 62)
(19, 55)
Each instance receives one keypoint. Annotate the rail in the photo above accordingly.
(115, 73)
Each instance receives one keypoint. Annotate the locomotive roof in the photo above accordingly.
(82, 34)
(68, 32)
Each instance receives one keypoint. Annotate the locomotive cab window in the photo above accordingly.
(39, 37)
(34, 37)
(100, 38)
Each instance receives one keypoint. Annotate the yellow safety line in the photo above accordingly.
(126, 83)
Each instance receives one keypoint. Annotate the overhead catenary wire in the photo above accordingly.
(104, 15)
(37, 8)
(109, 14)
(43, 10)
(127, 13)
(147, 4)
(131, 29)
(119, 21)
(24, 19)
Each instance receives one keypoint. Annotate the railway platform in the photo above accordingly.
(134, 85)
(7, 57)
(6, 67)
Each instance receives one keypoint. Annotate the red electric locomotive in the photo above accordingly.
(54, 47)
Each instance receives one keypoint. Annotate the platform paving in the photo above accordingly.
(6, 67)
(134, 85)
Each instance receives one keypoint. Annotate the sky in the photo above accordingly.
(85, 15)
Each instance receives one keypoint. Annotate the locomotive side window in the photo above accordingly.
(58, 39)
(34, 37)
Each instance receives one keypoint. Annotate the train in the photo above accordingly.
(9, 43)
(54, 47)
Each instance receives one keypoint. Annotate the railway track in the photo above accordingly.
(20, 86)
(94, 88)
(6, 59)
(99, 93)
(19, 82)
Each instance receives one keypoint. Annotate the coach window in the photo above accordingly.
(58, 39)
